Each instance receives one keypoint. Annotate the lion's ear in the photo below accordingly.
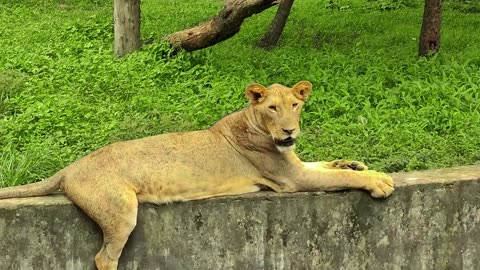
(256, 93)
(302, 89)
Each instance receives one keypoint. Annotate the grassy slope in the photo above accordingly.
(62, 94)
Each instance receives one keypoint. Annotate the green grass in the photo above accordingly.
(63, 94)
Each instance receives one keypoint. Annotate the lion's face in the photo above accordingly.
(279, 108)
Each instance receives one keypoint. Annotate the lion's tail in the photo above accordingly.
(41, 188)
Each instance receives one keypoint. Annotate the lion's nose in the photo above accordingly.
(288, 131)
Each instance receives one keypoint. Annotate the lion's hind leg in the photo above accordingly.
(113, 206)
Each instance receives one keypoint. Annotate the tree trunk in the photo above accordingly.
(429, 43)
(270, 39)
(221, 27)
(126, 16)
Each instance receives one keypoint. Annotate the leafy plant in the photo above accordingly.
(11, 83)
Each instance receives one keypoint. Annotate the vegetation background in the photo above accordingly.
(63, 94)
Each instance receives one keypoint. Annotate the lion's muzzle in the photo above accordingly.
(285, 142)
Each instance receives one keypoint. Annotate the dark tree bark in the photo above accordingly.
(429, 43)
(126, 16)
(221, 27)
(270, 39)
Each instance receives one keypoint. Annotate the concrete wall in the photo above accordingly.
(432, 221)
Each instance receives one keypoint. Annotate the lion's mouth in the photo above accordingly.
(285, 142)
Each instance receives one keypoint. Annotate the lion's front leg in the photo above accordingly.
(342, 174)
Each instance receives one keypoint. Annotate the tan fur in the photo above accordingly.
(236, 155)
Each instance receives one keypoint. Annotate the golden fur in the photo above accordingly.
(243, 152)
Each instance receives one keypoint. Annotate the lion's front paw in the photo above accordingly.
(348, 165)
(380, 185)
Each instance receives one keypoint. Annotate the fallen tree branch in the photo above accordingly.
(221, 27)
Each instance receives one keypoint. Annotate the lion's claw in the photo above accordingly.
(348, 165)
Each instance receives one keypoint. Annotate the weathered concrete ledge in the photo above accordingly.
(432, 221)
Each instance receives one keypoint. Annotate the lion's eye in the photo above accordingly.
(294, 105)
(273, 108)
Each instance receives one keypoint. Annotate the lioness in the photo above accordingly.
(244, 152)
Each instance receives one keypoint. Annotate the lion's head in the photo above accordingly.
(279, 108)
